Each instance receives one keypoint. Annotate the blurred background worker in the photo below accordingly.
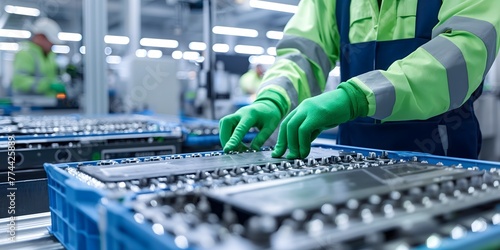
(35, 67)
(410, 73)
(251, 80)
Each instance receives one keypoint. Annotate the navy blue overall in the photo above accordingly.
(461, 125)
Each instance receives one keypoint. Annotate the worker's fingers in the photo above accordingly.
(239, 132)
(226, 128)
(241, 147)
(315, 135)
(293, 134)
(281, 144)
(305, 135)
(262, 136)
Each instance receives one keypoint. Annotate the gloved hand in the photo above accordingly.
(58, 87)
(316, 114)
(264, 113)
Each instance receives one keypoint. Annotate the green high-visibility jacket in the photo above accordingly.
(250, 81)
(420, 80)
(34, 71)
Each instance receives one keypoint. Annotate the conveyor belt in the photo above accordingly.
(31, 233)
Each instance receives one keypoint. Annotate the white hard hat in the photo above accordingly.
(49, 28)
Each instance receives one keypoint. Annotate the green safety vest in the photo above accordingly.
(420, 81)
(34, 71)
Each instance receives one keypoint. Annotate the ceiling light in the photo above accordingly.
(278, 35)
(273, 6)
(154, 53)
(161, 43)
(108, 51)
(190, 55)
(15, 33)
(114, 59)
(9, 46)
(231, 31)
(247, 49)
(141, 53)
(71, 37)
(221, 47)
(19, 10)
(262, 59)
(200, 59)
(60, 49)
(197, 46)
(123, 40)
(82, 50)
(177, 54)
(271, 51)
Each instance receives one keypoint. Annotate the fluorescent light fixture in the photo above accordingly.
(200, 59)
(177, 54)
(82, 50)
(266, 5)
(15, 33)
(278, 35)
(114, 59)
(247, 49)
(231, 31)
(141, 53)
(197, 46)
(108, 51)
(271, 51)
(9, 46)
(60, 49)
(19, 10)
(262, 59)
(221, 47)
(123, 40)
(190, 55)
(161, 43)
(70, 37)
(154, 53)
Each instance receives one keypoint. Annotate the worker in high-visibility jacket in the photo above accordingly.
(251, 80)
(35, 67)
(410, 73)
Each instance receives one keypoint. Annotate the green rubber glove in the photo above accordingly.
(58, 87)
(315, 114)
(265, 114)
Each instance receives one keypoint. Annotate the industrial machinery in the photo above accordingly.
(55, 139)
(74, 138)
(334, 199)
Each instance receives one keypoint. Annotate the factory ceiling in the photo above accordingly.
(181, 20)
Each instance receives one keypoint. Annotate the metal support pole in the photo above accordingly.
(95, 21)
(209, 11)
(132, 21)
(3, 19)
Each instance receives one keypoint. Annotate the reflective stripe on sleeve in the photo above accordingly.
(452, 59)
(286, 84)
(384, 91)
(482, 29)
(304, 64)
(309, 48)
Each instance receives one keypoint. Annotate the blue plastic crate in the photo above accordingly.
(489, 239)
(121, 229)
(72, 207)
(432, 159)
(123, 232)
(73, 203)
